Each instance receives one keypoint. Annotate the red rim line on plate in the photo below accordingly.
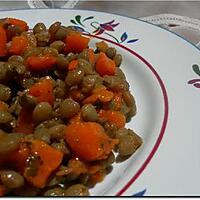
(165, 118)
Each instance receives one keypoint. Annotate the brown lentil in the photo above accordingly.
(5, 117)
(5, 93)
(62, 62)
(57, 131)
(61, 33)
(89, 113)
(11, 179)
(58, 45)
(129, 142)
(111, 52)
(77, 190)
(86, 66)
(74, 77)
(39, 27)
(55, 192)
(68, 108)
(118, 59)
(9, 142)
(42, 112)
(42, 134)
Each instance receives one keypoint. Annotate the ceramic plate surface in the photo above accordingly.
(165, 82)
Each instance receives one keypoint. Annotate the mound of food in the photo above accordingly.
(63, 110)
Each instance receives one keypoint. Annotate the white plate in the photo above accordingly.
(158, 66)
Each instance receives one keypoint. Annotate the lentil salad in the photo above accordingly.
(63, 110)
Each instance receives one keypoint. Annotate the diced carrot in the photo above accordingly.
(25, 122)
(100, 94)
(3, 106)
(105, 96)
(97, 177)
(43, 91)
(2, 21)
(98, 89)
(18, 22)
(104, 65)
(18, 157)
(91, 56)
(31, 39)
(89, 141)
(50, 160)
(2, 190)
(73, 65)
(102, 46)
(93, 168)
(39, 63)
(75, 94)
(21, 157)
(115, 117)
(76, 119)
(91, 99)
(3, 40)
(117, 101)
(76, 43)
(18, 45)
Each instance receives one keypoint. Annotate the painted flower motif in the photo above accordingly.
(108, 26)
(99, 28)
(195, 82)
(140, 194)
